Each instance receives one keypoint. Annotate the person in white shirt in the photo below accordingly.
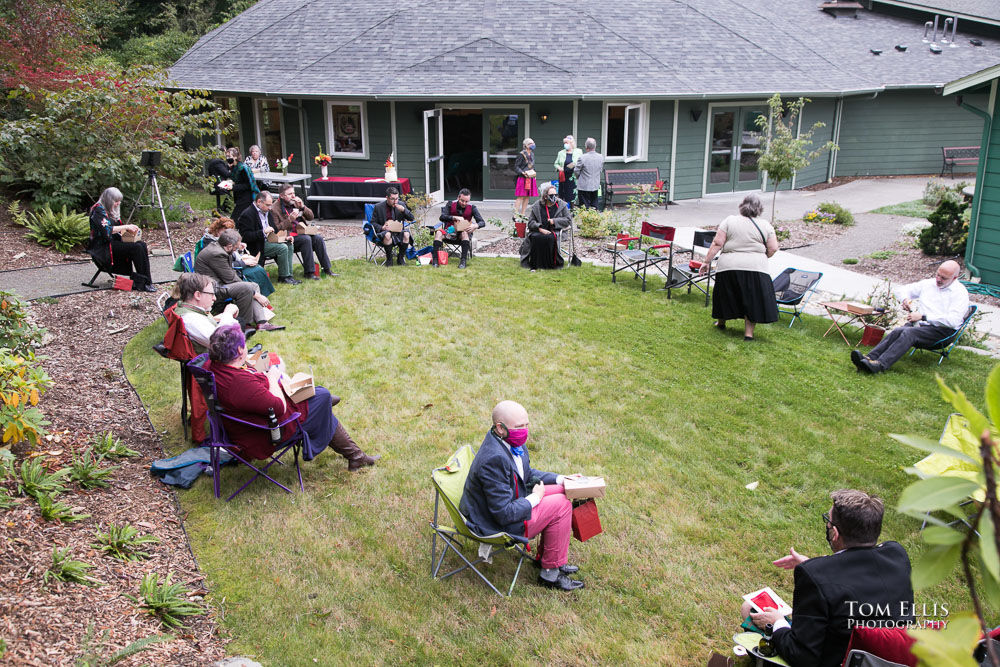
(196, 295)
(935, 308)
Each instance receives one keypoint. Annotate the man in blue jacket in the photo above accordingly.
(496, 498)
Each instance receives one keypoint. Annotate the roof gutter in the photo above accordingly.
(977, 199)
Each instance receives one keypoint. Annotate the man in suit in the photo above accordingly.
(254, 224)
(588, 174)
(861, 583)
(391, 209)
(496, 497)
(289, 212)
(215, 261)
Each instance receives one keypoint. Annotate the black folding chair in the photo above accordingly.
(944, 346)
(102, 267)
(691, 274)
(792, 289)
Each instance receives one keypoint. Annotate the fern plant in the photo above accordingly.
(35, 481)
(66, 569)
(107, 444)
(61, 230)
(165, 600)
(6, 501)
(86, 470)
(57, 511)
(123, 542)
(89, 647)
(16, 213)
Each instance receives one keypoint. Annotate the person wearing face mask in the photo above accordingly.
(863, 583)
(496, 497)
(527, 183)
(108, 249)
(565, 165)
(540, 249)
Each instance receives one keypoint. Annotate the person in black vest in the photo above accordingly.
(452, 212)
(392, 209)
(863, 583)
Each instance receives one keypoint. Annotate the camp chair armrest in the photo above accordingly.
(294, 416)
(627, 239)
(657, 247)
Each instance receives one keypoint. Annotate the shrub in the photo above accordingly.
(816, 215)
(90, 648)
(22, 382)
(914, 228)
(86, 470)
(122, 542)
(166, 601)
(949, 229)
(849, 260)
(590, 223)
(933, 192)
(65, 568)
(782, 234)
(6, 501)
(164, 49)
(841, 215)
(18, 334)
(58, 229)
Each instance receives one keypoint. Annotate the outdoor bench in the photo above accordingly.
(627, 182)
(952, 155)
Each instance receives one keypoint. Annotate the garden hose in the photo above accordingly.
(982, 288)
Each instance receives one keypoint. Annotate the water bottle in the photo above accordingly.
(765, 648)
(272, 421)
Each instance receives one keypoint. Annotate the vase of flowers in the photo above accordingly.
(282, 164)
(323, 160)
(390, 169)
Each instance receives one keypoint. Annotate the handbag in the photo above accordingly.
(562, 175)
(586, 522)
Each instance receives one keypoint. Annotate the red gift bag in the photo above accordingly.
(442, 257)
(586, 523)
(122, 283)
(562, 176)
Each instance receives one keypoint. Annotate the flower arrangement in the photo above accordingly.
(816, 215)
(282, 163)
(323, 160)
(390, 163)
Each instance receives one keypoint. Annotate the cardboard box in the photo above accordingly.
(259, 360)
(393, 225)
(299, 387)
(132, 238)
(859, 308)
(584, 487)
(461, 225)
(250, 260)
(309, 229)
(277, 237)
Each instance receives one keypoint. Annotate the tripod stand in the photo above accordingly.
(154, 202)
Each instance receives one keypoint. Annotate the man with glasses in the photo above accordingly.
(863, 583)
(196, 295)
(254, 225)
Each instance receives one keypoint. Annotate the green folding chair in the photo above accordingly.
(449, 485)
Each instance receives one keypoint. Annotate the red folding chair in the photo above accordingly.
(638, 259)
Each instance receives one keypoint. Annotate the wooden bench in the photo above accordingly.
(628, 182)
(962, 155)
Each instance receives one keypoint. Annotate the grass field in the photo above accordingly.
(676, 415)
(911, 209)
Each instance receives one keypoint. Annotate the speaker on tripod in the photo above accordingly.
(150, 160)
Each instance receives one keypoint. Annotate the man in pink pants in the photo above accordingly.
(496, 498)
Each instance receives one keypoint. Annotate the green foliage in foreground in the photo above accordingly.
(165, 600)
(62, 229)
(676, 415)
(91, 653)
(66, 569)
(123, 542)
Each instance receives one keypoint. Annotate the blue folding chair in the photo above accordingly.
(373, 247)
(792, 289)
(944, 346)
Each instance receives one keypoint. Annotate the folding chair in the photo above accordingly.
(690, 276)
(639, 259)
(792, 289)
(944, 346)
(373, 248)
(177, 346)
(102, 267)
(219, 440)
(566, 242)
(449, 485)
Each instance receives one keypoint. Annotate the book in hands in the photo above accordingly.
(766, 597)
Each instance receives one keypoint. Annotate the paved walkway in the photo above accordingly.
(873, 232)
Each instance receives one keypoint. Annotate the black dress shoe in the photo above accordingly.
(149, 288)
(870, 366)
(461, 264)
(565, 569)
(562, 582)
(311, 276)
(856, 359)
(288, 280)
(330, 273)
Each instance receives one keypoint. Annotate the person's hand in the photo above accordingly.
(261, 299)
(562, 169)
(544, 231)
(295, 213)
(242, 246)
(791, 560)
(914, 316)
(268, 229)
(133, 229)
(456, 218)
(703, 269)
(298, 202)
(769, 615)
(232, 310)
(399, 207)
(905, 304)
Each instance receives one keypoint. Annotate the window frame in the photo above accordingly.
(219, 137)
(331, 133)
(259, 130)
(642, 134)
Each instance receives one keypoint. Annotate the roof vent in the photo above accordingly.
(841, 8)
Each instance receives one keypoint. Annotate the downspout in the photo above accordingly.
(970, 244)
(832, 165)
(303, 133)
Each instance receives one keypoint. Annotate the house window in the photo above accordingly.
(347, 129)
(624, 132)
(230, 138)
(269, 135)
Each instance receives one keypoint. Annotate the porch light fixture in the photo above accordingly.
(543, 116)
(695, 114)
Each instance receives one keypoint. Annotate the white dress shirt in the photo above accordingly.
(201, 325)
(943, 307)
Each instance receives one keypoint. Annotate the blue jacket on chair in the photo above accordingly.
(495, 497)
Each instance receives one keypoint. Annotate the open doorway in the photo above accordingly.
(463, 151)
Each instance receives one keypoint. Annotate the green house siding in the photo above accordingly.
(818, 110)
(689, 174)
(548, 136)
(661, 127)
(985, 254)
(902, 132)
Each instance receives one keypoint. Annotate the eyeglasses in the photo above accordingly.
(826, 519)
(207, 292)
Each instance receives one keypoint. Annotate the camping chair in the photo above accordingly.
(690, 276)
(177, 346)
(373, 249)
(639, 259)
(955, 435)
(102, 267)
(566, 242)
(218, 440)
(792, 289)
(944, 346)
(449, 485)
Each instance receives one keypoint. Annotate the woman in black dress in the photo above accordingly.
(106, 245)
(548, 216)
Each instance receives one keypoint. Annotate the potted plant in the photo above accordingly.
(520, 223)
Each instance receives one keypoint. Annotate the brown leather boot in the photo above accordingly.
(343, 444)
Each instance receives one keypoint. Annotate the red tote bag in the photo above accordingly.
(586, 522)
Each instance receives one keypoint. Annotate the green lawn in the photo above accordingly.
(911, 209)
(676, 415)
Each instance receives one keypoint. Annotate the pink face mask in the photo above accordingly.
(517, 436)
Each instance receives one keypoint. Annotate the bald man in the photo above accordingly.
(496, 498)
(935, 308)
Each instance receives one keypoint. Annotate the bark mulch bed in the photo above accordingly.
(45, 624)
